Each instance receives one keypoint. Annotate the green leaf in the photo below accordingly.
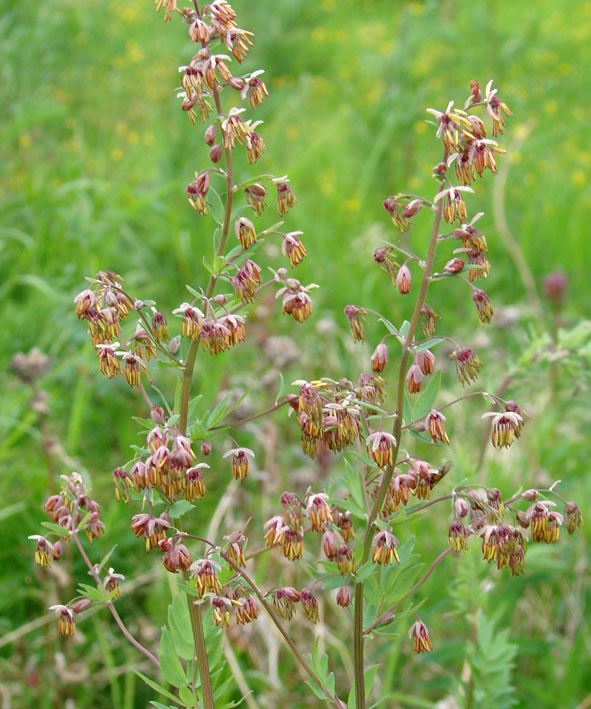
(187, 697)
(194, 406)
(365, 571)
(332, 582)
(179, 508)
(188, 590)
(432, 342)
(315, 689)
(56, 528)
(404, 328)
(95, 593)
(281, 387)
(271, 228)
(208, 266)
(218, 412)
(170, 665)
(195, 293)
(427, 398)
(391, 329)
(156, 687)
(354, 502)
(215, 205)
(179, 618)
(233, 253)
(229, 410)
(219, 264)
(159, 705)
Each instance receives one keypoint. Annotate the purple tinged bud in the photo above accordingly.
(210, 134)
(215, 154)
(81, 605)
(412, 208)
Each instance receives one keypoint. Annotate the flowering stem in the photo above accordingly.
(279, 625)
(190, 364)
(195, 611)
(110, 605)
(389, 471)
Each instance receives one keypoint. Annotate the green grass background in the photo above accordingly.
(95, 155)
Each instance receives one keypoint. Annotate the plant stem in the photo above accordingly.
(190, 364)
(195, 611)
(389, 471)
(110, 605)
(279, 625)
(240, 422)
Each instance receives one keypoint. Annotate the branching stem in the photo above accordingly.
(195, 611)
(110, 604)
(389, 471)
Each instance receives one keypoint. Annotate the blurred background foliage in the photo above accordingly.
(95, 156)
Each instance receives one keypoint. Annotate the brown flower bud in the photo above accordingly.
(344, 596)
(215, 154)
(379, 359)
(412, 208)
(456, 265)
(210, 134)
(414, 379)
(555, 287)
(81, 605)
(403, 279)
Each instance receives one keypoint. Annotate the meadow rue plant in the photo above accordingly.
(352, 529)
